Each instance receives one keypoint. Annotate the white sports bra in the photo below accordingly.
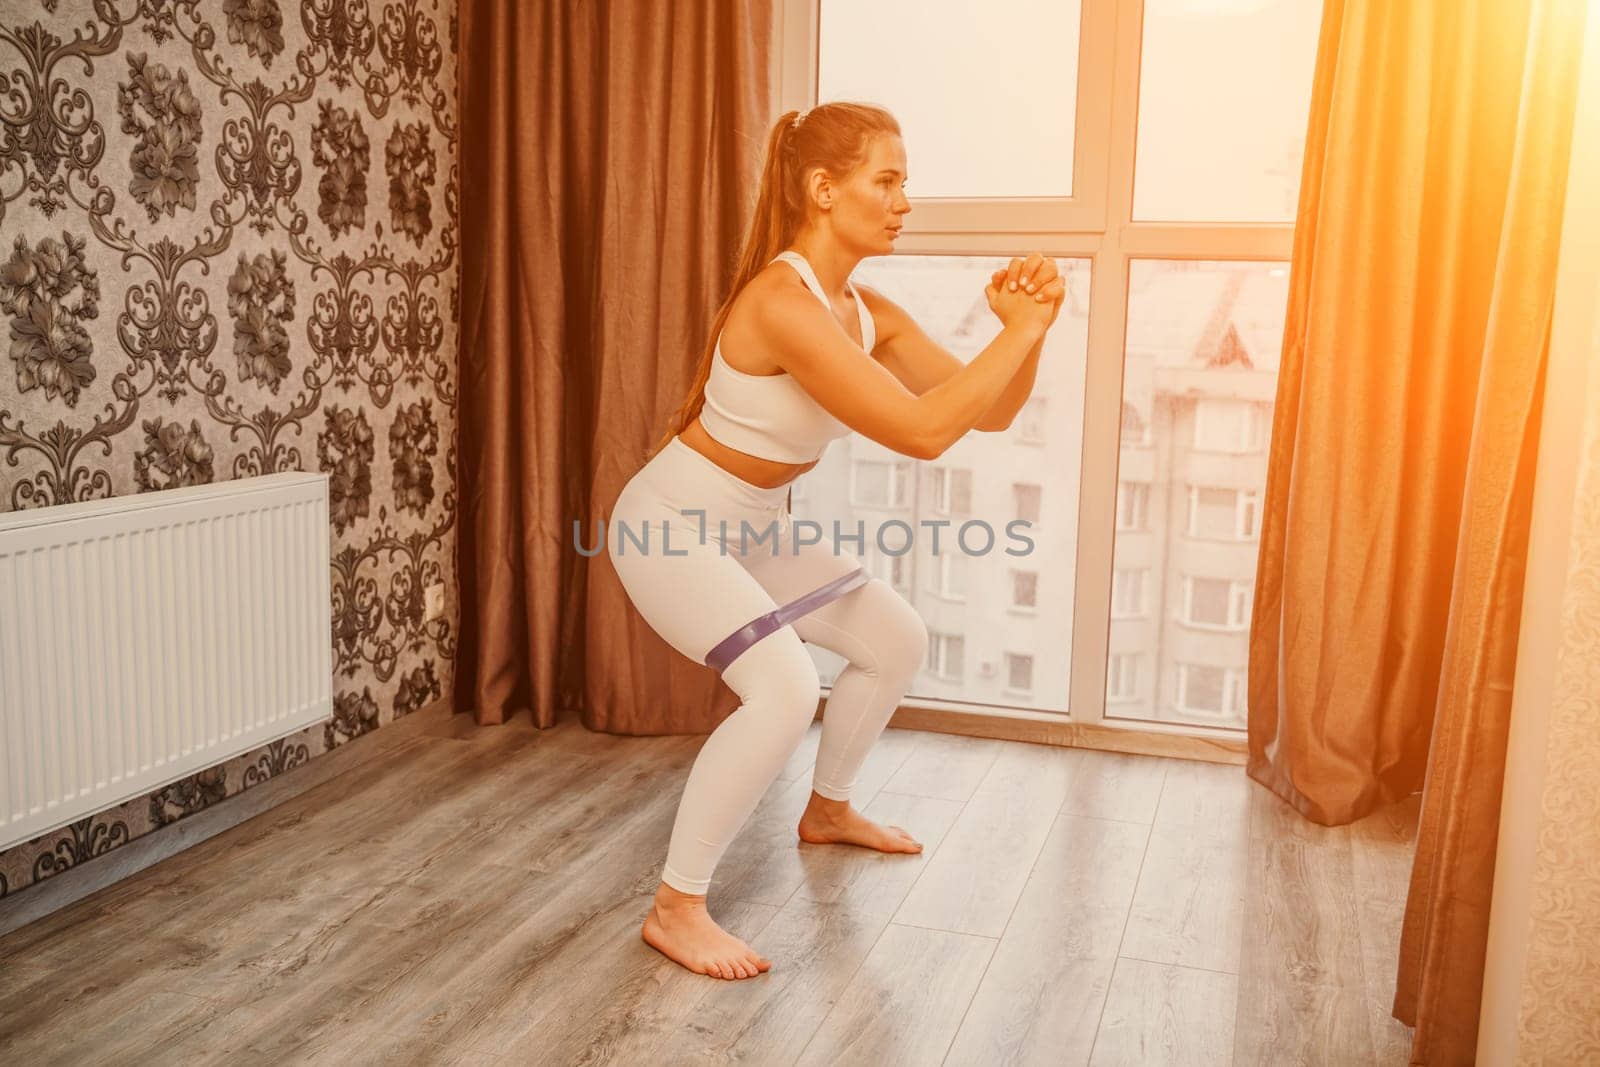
(769, 415)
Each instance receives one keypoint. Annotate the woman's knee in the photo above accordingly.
(899, 636)
(778, 675)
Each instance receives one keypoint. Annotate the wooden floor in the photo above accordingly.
(477, 901)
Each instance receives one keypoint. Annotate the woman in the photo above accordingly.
(797, 357)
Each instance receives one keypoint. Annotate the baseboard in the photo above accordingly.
(35, 901)
(1068, 734)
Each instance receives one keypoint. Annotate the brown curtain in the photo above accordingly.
(1400, 479)
(609, 156)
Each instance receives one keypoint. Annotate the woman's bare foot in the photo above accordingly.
(835, 822)
(679, 927)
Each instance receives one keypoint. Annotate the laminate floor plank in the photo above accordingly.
(1159, 1015)
(1112, 785)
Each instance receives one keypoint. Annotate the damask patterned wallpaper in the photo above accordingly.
(228, 248)
(1559, 1017)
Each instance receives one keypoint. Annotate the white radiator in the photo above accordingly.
(147, 637)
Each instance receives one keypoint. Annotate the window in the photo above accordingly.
(952, 490)
(1026, 501)
(1207, 691)
(1133, 506)
(1127, 594)
(1185, 311)
(1207, 602)
(1213, 513)
(962, 150)
(879, 484)
(1030, 421)
(947, 575)
(974, 480)
(945, 652)
(1019, 673)
(1223, 514)
(1203, 66)
(1025, 589)
(1122, 678)
(1135, 427)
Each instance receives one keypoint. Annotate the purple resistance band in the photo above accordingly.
(734, 645)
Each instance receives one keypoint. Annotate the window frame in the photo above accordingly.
(1096, 223)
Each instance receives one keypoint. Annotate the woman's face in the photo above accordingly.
(866, 208)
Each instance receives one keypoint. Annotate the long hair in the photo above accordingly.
(833, 136)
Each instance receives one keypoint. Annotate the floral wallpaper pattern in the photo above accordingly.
(228, 248)
(1559, 1018)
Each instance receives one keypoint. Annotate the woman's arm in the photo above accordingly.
(1016, 394)
(920, 362)
(807, 342)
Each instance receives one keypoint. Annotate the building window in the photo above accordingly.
(1031, 419)
(947, 577)
(1223, 514)
(1019, 673)
(1127, 594)
(945, 653)
(952, 490)
(1206, 601)
(1122, 678)
(1216, 603)
(879, 484)
(1133, 506)
(1026, 498)
(1211, 692)
(1025, 590)
(1135, 427)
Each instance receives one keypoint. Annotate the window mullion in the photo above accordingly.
(1108, 318)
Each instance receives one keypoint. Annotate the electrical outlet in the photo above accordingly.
(433, 601)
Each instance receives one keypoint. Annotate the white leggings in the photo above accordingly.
(695, 594)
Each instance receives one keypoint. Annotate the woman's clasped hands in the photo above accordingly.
(1030, 289)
